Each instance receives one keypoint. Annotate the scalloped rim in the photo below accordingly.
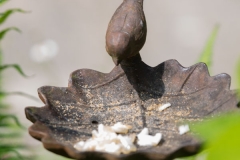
(68, 151)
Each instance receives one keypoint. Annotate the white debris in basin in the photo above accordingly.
(121, 128)
(106, 140)
(183, 129)
(165, 106)
(144, 139)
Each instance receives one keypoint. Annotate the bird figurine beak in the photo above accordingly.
(116, 61)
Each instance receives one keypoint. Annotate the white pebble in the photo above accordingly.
(121, 128)
(183, 129)
(127, 143)
(147, 140)
(112, 148)
(106, 140)
(144, 132)
(79, 145)
(165, 106)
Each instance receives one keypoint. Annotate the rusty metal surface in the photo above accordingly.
(130, 93)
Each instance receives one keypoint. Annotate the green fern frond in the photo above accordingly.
(4, 94)
(4, 147)
(6, 14)
(15, 66)
(6, 151)
(4, 118)
(5, 31)
(2, 2)
(10, 135)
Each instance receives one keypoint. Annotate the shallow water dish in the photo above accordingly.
(132, 95)
(160, 98)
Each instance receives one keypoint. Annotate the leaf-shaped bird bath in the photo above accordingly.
(131, 93)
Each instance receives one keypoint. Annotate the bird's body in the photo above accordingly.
(127, 31)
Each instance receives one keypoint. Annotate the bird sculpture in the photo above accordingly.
(127, 30)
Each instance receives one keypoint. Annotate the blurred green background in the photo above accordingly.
(60, 36)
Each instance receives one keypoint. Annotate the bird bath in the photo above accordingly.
(131, 93)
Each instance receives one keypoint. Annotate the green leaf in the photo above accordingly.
(11, 152)
(15, 66)
(5, 151)
(220, 125)
(3, 94)
(11, 146)
(6, 14)
(227, 145)
(23, 158)
(10, 135)
(5, 31)
(7, 117)
(1, 59)
(207, 54)
(3, 106)
(221, 136)
(2, 2)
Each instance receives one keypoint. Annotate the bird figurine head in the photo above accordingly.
(127, 30)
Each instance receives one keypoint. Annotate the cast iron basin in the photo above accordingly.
(131, 94)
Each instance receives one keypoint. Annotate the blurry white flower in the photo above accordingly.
(44, 51)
